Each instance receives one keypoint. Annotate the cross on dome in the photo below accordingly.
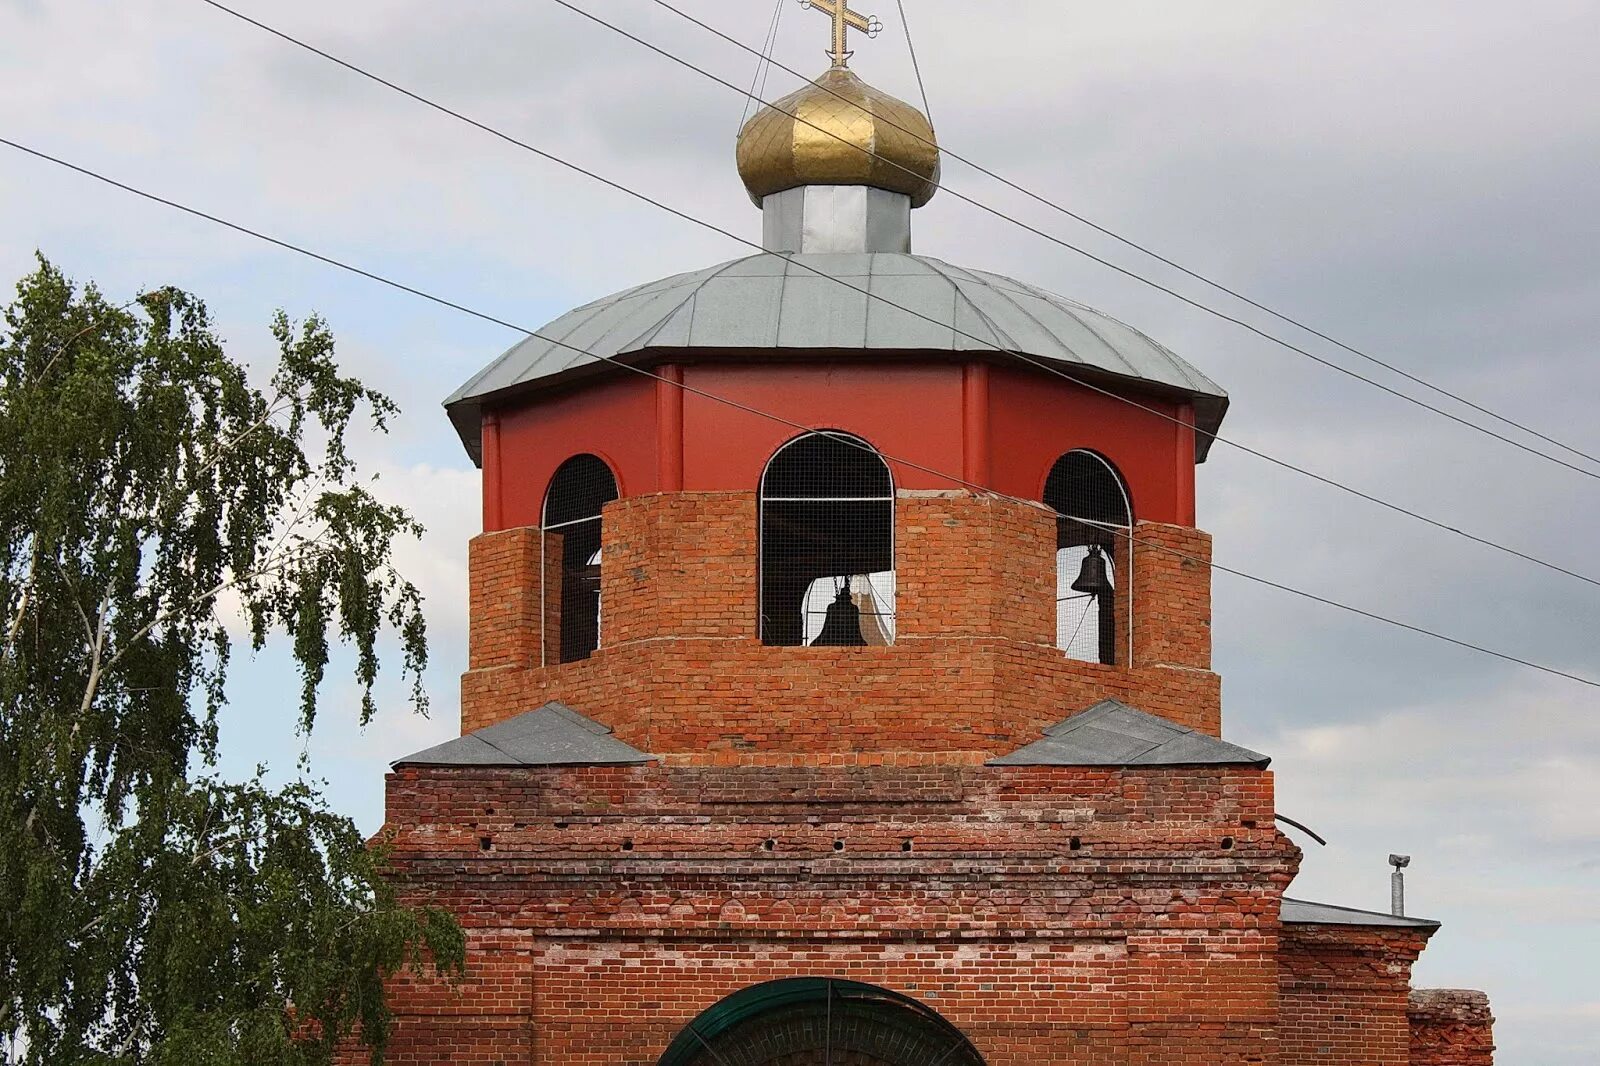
(844, 20)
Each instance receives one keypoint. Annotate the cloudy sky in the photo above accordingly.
(1417, 179)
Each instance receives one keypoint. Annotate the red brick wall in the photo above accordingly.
(1343, 995)
(1450, 1027)
(825, 811)
(1054, 915)
(503, 599)
(974, 671)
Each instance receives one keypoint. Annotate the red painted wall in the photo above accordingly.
(613, 419)
(910, 412)
(1004, 432)
(1035, 417)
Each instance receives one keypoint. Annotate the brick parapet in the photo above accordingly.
(503, 599)
(1450, 1027)
(1343, 994)
(1171, 596)
(974, 566)
(715, 701)
(974, 672)
(1053, 914)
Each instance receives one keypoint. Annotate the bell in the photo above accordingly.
(841, 626)
(1092, 576)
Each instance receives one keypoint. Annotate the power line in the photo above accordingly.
(758, 412)
(916, 68)
(1022, 356)
(1102, 261)
(1128, 242)
(763, 63)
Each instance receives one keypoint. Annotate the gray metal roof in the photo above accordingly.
(769, 302)
(1113, 734)
(1303, 912)
(552, 735)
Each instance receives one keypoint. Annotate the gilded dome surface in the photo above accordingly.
(839, 131)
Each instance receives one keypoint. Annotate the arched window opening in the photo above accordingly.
(805, 1020)
(571, 556)
(1093, 546)
(827, 544)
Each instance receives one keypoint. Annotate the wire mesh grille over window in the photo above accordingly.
(1093, 546)
(571, 552)
(827, 544)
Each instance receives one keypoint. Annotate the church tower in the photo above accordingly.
(840, 682)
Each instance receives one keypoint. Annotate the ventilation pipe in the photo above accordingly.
(1397, 885)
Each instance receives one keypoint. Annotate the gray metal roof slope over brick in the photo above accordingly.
(1113, 734)
(771, 302)
(1304, 912)
(552, 735)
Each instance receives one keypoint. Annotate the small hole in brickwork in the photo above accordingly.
(768, 844)
(838, 845)
(1249, 823)
(627, 845)
(488, 810)
(561, 825)
(1227, 842)
(485, 844)
(905, 845)
(1074, 844)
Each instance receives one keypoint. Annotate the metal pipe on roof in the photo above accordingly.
(1397, 885)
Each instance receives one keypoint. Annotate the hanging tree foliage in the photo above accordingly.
(150, 495)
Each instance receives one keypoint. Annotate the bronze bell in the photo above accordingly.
(841, 626)
(1093, 577)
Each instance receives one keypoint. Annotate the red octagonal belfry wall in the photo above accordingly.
(835, 812)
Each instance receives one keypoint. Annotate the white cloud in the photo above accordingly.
(1418, 181)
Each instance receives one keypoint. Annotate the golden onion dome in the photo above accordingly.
(839, 131)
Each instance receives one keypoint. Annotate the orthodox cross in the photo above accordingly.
(844, 20)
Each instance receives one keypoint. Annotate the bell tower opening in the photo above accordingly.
(1094, 541)
(827, 544)
(819, 1021)
(570, 591)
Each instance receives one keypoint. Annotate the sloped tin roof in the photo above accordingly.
(820, 302)
(1113, 734)
(552, 735)
(1304, 912)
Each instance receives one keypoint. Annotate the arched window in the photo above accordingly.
(571, 585)
(819, 1020)
(827, 544)
(1093, 546)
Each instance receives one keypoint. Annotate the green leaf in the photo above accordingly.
(156, 914)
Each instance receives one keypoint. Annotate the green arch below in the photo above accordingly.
(697, 1044)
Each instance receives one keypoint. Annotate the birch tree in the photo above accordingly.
(154, 503)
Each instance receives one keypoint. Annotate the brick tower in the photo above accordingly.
(840, 681)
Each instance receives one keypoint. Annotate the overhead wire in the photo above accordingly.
(1163, 259)
(1101, 260)
(763, 63)
(760, 413)
(916, 68)
(1021, 356)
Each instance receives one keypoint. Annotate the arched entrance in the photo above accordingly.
(819, 1021)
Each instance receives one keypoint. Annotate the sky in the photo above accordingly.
(1417, 180)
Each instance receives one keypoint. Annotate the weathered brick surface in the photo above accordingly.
(503, 599)
(1450, 1027)
(1343, 992)
(1054, 915)
(974, 671)
(826, 812)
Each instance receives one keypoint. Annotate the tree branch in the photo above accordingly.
(211, 594)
